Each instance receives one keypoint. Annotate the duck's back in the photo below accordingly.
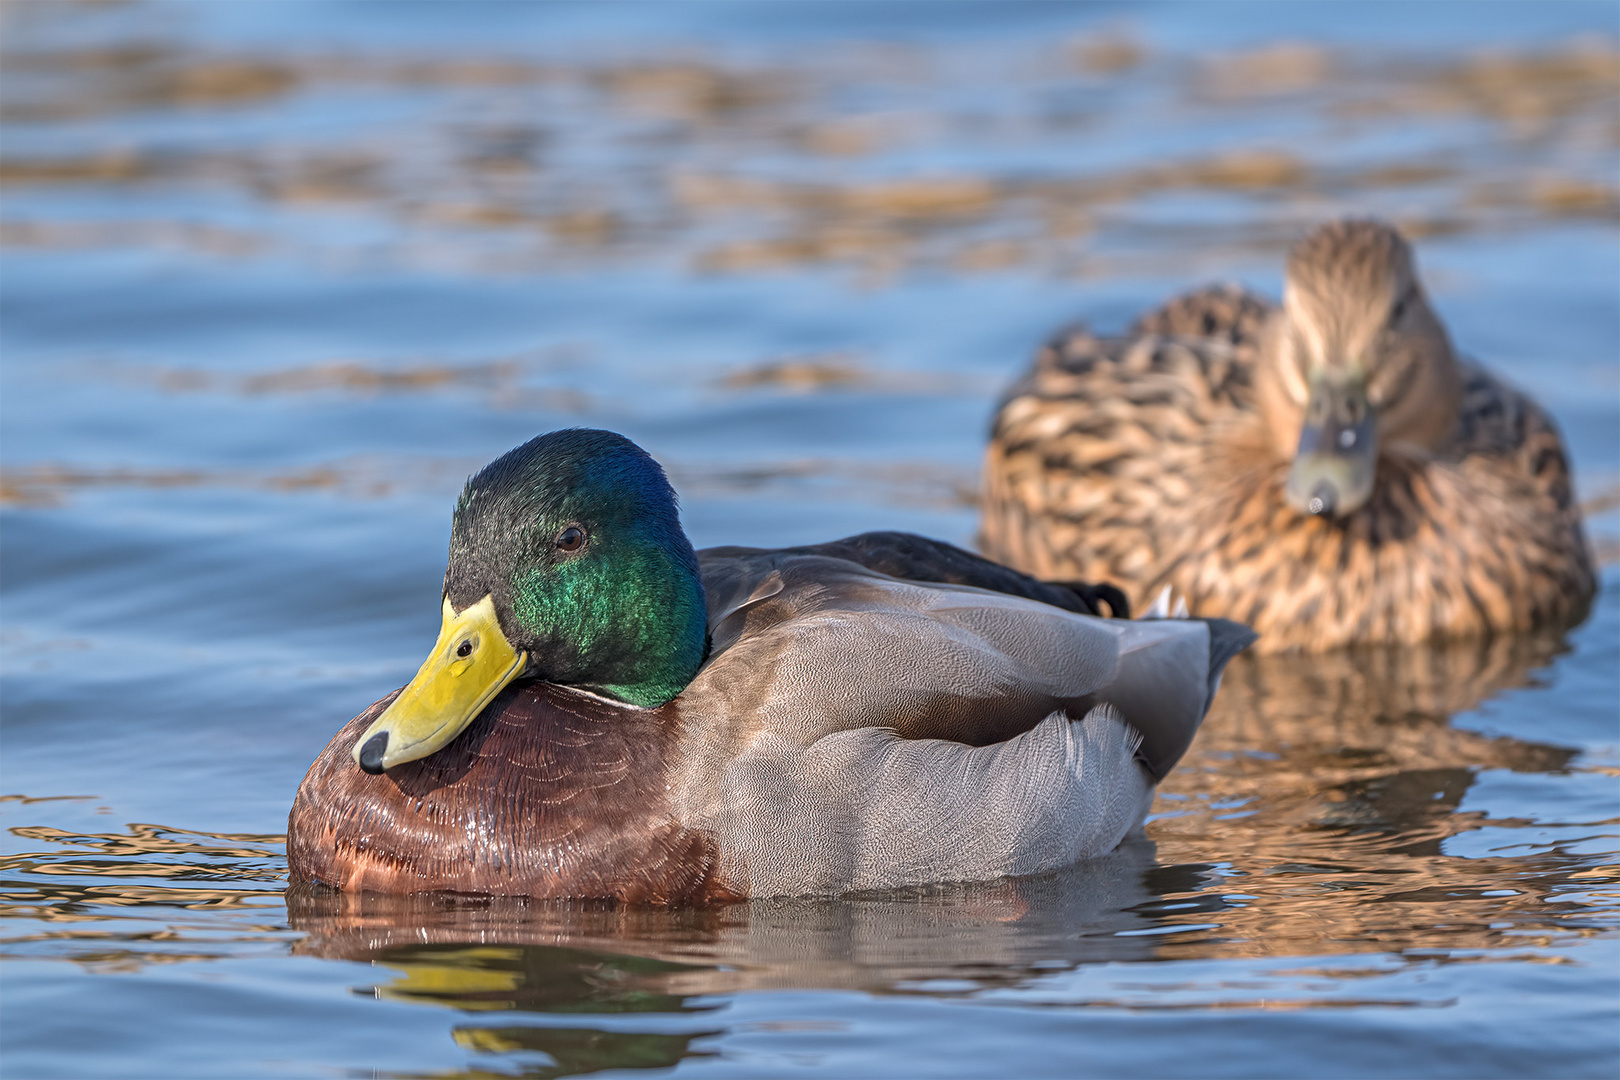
(808, 644)
(854, 730)
(1144, 460)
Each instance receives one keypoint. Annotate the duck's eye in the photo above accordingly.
(571, 538)
(1398, 312)
(465, 648)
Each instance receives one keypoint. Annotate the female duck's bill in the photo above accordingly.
(1334, 464)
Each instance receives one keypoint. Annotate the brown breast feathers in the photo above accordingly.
(549, 793)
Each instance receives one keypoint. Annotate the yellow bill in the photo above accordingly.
(470, 663)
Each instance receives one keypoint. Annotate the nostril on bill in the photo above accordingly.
(1322, 499)
(371, 754)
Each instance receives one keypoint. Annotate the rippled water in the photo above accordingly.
(277, 277)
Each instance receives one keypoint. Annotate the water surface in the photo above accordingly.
(278, 277)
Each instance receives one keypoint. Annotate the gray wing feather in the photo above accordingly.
(865, 809)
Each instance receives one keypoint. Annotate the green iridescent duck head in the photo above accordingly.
(567, 563)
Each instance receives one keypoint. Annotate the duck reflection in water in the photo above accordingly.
(571, 958)
(1362, 739)
(998, 933)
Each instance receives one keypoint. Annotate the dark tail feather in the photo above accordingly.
(1090, 595)
(1226, 640)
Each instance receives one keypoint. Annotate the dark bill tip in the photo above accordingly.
(1322, 499)
(371, 754)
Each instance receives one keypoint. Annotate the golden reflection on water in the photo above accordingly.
(889, 483)
(510, 191)
(1336, 782)
(33, 885)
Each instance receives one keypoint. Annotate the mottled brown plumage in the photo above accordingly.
(1162, 458)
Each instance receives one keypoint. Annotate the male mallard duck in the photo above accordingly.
(1326, 470)
(607, 713)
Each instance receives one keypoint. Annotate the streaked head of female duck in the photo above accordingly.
(567, 563)
(1356, 364)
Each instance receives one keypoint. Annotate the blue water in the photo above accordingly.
(276, 278)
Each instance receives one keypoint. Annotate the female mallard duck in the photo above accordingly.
(608, 714)
(1326, 470)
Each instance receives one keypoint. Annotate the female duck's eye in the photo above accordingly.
(1398, 312)
(570, 539)
(465, 648)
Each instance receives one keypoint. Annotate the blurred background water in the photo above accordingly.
(277, 277)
